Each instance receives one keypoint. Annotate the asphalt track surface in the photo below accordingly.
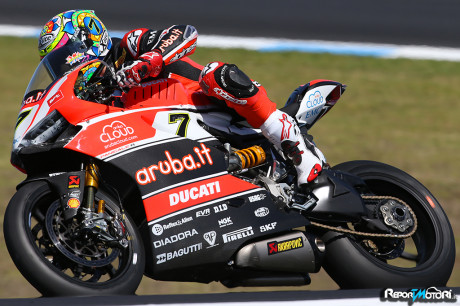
(409, 22)
(417, 22)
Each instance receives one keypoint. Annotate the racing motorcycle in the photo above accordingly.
(160, 182)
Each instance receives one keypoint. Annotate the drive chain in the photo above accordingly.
(379, 235)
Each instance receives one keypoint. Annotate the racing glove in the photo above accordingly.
(132, 73)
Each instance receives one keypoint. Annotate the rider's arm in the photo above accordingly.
(172, 43)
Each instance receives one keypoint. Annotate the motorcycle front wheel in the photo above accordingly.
(427, 257)
(45, 249)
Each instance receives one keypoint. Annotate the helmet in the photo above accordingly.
(75, 25)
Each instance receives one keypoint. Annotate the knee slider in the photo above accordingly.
(235, 81)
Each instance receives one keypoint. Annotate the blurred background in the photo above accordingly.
(399, 111)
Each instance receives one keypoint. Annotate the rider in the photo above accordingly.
(144, 53)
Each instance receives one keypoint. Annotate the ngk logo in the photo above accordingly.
(175, 165)
(114, 131)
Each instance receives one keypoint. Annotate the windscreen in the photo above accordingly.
(52, 67)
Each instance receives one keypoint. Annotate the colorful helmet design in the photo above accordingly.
(75, 25)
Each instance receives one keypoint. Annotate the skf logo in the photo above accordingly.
(276, 247)
(74, 181)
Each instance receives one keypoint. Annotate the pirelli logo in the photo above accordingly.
(276, 247)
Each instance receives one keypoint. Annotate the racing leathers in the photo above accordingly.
(144, 53)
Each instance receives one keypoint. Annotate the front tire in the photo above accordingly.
(351, 265)
(49, 270)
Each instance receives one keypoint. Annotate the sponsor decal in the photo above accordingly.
(152, 37)
(162, 258)
(33, 98)
(175, 166)
(175, 34)
(261, 212)
(228, 97)
(315, 99)
(115, 133)
(194, 193)
(257, 197)
(45, 40)
(57, 97)
(132, 41)
(238, 234)
(74, 181)
(268, 227)
(182, 53)
(175, 238)
(159, 205)
(220, 208)
(157, 229)
(154, 82)
(312, 113)
(225, 222)
(210, 238)
(276, 247)
(73, 203)
(203, 213)
(287, 125)
(75, 58)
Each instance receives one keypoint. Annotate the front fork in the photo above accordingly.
(106, 228)
(91, 186)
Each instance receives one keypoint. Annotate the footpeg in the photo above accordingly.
(308, 205)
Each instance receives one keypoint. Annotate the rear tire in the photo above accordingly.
(352, 266)
(51, 272)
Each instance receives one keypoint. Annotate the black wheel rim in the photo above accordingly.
(93, 265)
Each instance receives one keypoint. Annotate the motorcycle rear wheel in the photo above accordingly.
(51, 271)
(429, 255)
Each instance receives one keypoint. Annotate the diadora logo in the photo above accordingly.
(176, 166)
(194, 193)
(175, 238)
(315, 99)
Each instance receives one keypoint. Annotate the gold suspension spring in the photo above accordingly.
(251, 157)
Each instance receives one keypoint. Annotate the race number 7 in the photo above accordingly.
(183, 119)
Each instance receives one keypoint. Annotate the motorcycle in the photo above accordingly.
(161, 182)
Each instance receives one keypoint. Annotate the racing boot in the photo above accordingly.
(282, 130)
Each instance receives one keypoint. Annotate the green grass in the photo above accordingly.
(401, 112)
